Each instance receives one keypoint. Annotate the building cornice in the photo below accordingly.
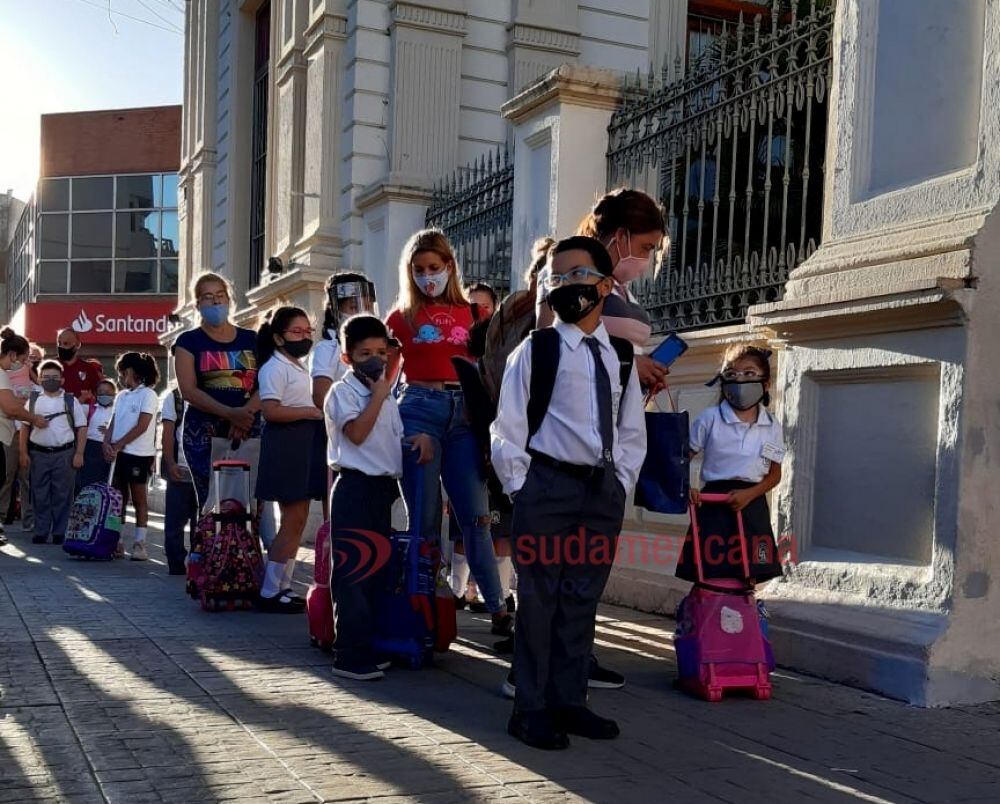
(294, 61)
(407, 190)
(535, 37)
(430, 18)
(581, 86)
(325, 26)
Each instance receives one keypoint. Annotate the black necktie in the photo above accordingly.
(603, 401)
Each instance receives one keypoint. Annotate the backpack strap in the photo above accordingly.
(626, 358)
(178, 404)
(32, 400)
(545, 345)
(68, 400)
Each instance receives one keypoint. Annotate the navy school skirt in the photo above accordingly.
(720, 541)
(292, 462)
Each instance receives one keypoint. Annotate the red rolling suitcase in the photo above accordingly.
(319, 602)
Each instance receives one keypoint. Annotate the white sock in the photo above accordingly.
(505, 569)
(459, 574)
(140, 534)
(272, 579)
(286, 578)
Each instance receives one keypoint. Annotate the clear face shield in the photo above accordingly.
(352, 298)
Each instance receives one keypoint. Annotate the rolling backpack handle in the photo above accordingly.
(717, 499)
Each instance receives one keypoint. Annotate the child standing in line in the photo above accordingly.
(95, 466)
(53, 454)
(567, 444)
(181, 505)
(130, 439)
(365, 434)
(742, 447)
(291, 471)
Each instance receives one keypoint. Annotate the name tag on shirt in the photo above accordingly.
(772, 452)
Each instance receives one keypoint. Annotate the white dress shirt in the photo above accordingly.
(324, 360)
(736, 450)
(61, 430)
(285, 381)
(381, 453)
(570, 431)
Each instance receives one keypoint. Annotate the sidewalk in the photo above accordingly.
(116, 687)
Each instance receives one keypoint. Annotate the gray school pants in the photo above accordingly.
(565, 529)
(52, 484)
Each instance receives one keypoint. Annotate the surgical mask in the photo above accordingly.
(743, 395)
(298, 348)
(66, 353)
(215, 315)
(629, 267)
(371, 369)
(573, 302)
(51, 385)
(432, 285)
(105, 400)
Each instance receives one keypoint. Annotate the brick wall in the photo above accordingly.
(113, 141)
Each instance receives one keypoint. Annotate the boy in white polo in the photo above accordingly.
(366, 446)
(52, 455)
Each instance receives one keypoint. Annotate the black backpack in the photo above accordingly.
(545, 347)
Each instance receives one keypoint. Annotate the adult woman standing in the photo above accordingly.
(431, 320)
(13, 353)
(216, 367)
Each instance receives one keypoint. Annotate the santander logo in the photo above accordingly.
(82, 323)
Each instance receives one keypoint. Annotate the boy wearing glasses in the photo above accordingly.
(568, 466)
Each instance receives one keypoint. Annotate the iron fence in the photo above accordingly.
(735, 152)
(475, 208)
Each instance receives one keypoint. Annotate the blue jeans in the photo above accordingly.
(457, 464)
(180, 512)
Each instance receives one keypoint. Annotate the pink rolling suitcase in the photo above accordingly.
(719, 641)
(319, 602)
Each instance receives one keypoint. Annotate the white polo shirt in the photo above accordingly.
(98, 419)
(169, 413)
(379, 455)
(734, 450)
(61, 430)
(285, 381)
(130, 404)
(324, 360)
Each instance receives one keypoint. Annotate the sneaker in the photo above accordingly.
(357, 670)
(502, 625)
(139, 552)
(119, 550)
(507, 689)
(603, 679)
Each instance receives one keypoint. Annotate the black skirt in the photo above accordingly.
(292, 462)
(721, 555)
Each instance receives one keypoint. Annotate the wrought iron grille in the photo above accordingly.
(735, 152)
(475, 208)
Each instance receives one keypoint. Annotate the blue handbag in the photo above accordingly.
(665, 478)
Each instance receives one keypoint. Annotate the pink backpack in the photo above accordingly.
(319, 602)
(719, 640)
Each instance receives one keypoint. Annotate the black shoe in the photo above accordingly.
(359, 671)
(477, 607)
(503, 625)
(504, 645)
(460, 602)
(537, 730)
(507, 689)
(603, 679)
(282, 603)
(39, 539)
(580, 720)
(177, 571)
(58, 539)
(511, 603)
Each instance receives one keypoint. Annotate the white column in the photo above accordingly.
(542, 35)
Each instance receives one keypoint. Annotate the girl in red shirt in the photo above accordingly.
(431, 320)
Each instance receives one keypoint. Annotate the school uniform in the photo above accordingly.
(291, 453)
(570, 479)
(324, 359)
(95, 467)
(51, 473)
(360, 507)
(736, 455)
(134, 463)
(181, 508)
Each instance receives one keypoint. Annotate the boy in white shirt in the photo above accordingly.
(365, 443)
(567, 445)
(52, 455)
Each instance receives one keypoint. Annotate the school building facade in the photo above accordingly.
(812, 202)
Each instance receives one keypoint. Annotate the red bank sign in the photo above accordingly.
(109, 322)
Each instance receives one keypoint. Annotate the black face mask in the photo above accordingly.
(66, 353)
(370, 369)
(573, 302)
(743, 395)
(298, 348)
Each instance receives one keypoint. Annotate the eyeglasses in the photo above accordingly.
(214, 298)
(731, 374)
(299, 332)
(574, 276)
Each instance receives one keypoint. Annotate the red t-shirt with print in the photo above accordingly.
(81, 375)
(438, 333)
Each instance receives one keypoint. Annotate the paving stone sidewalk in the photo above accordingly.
(117, 688)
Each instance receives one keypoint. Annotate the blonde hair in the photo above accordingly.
(410, 299)
(198, 281)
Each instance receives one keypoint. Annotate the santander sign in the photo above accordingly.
(107, 322)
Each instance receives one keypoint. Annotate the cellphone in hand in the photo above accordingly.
(669, 350)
